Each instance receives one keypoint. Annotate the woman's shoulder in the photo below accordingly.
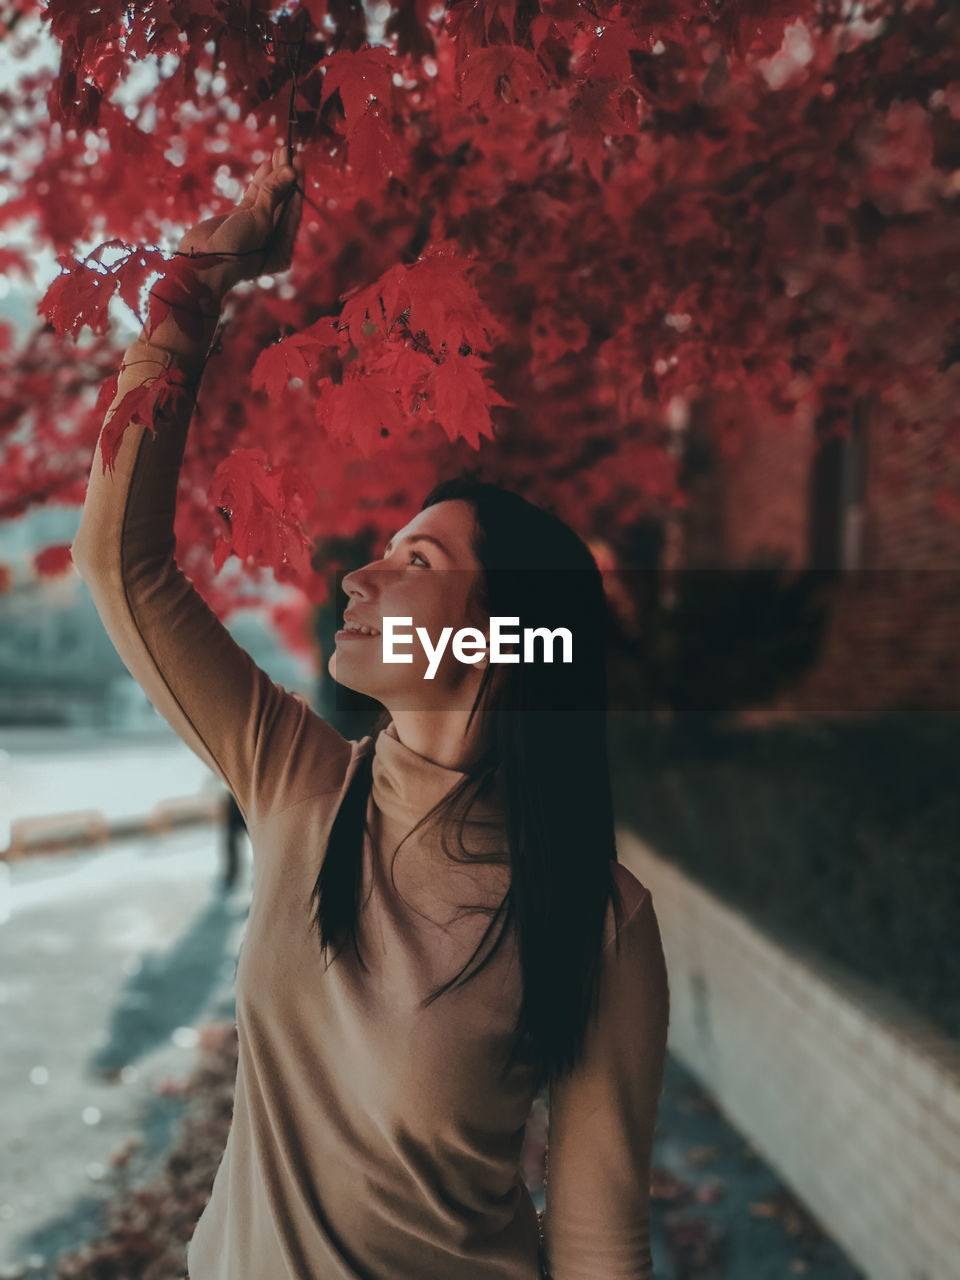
(319, 770)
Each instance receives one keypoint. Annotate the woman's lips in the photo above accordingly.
(354, 635)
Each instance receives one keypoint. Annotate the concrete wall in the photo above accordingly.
(853, 1100)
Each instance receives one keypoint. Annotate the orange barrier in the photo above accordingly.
(60, 832)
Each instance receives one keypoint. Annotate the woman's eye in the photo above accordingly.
(420, 557)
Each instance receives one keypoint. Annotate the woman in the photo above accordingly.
(464, 850)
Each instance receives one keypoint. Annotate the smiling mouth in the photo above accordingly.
(351, 633)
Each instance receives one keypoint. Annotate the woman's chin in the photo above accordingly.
(344, 672)
(357, 675)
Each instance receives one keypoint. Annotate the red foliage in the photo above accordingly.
(529, 231)
(53, 561)
(294, 622)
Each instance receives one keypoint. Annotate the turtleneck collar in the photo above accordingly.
(406, 785)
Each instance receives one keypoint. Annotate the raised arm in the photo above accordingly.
(265, 743)
(596, 1221)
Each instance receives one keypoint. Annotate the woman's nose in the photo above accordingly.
(354, 583)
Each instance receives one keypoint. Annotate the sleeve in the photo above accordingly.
(265, 743)
(596, 1223)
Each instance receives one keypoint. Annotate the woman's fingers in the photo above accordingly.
(269, 180)
(271, 191)
(287, 214)
(274, 199)
(252, 191)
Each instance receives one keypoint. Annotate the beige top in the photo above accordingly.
(371, 1139)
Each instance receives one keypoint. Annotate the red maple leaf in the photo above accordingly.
(358, 74)
(265, 509)
(361, 410)
(375, 152)
(462, 398)
(500, 75)
(596, 112)
(277, 364)
(140, 405)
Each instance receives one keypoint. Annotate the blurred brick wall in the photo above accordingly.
(866, 504)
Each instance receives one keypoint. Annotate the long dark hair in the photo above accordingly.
(544, 726)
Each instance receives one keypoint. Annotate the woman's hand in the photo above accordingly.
(262, 228)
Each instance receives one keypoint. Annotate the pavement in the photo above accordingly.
(110, 960)
(718, 1210)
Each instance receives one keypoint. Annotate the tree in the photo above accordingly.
(534, 233)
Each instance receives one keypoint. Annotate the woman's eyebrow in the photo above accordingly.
(420, 537)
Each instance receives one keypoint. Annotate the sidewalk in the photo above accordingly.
(112, 963)
(718, 1211)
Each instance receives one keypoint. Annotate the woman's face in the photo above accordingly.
(426, 573)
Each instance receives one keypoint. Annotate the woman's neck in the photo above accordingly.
(441, 736)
